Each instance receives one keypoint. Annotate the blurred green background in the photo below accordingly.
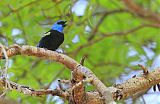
(112, 57)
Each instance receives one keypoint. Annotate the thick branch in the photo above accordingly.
(120, 91)
(65, 60)
(137, 84)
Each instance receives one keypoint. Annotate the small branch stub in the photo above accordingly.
(145, 70)
(82, 60)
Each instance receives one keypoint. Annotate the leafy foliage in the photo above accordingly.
(25, 21)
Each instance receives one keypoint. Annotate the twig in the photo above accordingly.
(4, 72)
(30, 91)
(20, 8)
(3, 93)
(96, 26)
(145, 70)
(82, 60)
(105, 35)
(65, 81)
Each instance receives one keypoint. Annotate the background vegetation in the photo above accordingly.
(113, 39)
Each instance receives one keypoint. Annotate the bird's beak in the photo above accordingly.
(65, 23)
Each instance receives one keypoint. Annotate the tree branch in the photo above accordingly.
(119, 33)
(119, 91)
(137, 84)
(30, 91)
(65, 60)
(141, 12)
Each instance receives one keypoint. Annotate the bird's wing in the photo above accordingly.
(47, 33)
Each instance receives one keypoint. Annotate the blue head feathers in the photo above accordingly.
(59, 25)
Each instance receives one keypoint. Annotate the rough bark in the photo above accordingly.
(104, 94)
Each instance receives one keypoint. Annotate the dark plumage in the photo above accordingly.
(51, 41)
(54, 37)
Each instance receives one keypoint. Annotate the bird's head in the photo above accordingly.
(59, 25)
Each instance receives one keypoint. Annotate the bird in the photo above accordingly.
(54, 37)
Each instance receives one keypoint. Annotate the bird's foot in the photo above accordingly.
(59, 51)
